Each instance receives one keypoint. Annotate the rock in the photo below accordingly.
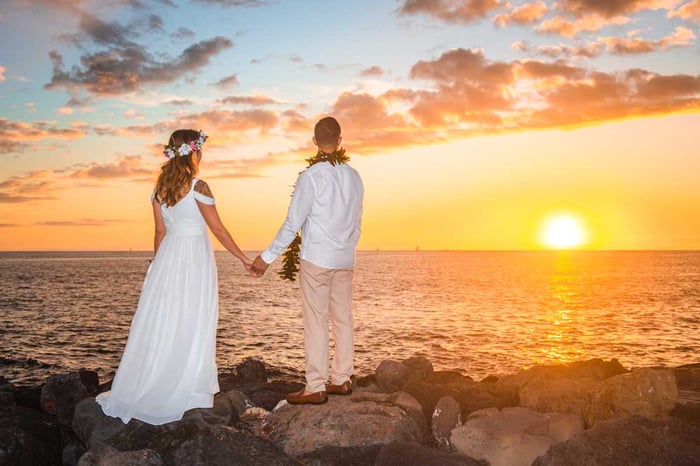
(94, 428)
(593, 369)
(562, 395)
(688, 407)
(220, 414)
(88, 418)
(29, 397)
(688, 403)
(633, 440)
(356, 421)
(25, 438)
(419, 368)
(227, 445)
(203, 436)
(90, 380)
(264, 395)
(251, 370)
(688, 377)
(60, 394)
(471, 396)
(446, 416)
(108, 456)
(73, 450)
(646, 392)
(391, 375)
(402, 453)
(239, 401)
(512, 436)
(596, 369)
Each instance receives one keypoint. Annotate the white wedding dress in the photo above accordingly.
(169, 363)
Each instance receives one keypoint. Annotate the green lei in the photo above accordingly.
(290, 260)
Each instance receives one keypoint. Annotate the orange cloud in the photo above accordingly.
(253, 100)
(681, 37)
(524, 14)
(612, 8)
(41, 185)
(15, 134)
(372, 71)
(457, 11)
(564, 27)
(688, 11)
(85, 222)
(2, 73)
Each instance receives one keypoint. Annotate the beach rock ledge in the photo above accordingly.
(591, 412)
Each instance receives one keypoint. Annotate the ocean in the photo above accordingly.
(480, 313)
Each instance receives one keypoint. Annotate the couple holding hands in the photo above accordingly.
(169, 362)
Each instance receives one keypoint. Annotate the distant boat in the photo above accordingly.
(417, 249)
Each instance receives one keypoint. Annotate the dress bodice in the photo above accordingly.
(184, 216)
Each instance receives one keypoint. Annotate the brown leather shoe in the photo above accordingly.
(343, 389)
(299, 398)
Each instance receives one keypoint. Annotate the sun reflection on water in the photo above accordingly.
(564, 311)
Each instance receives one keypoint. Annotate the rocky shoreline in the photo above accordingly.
(591, 412)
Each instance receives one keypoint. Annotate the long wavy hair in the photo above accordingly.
(176, 174)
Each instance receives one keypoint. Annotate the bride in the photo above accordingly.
(169, 363)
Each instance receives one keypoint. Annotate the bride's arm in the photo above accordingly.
(211, 216)
(159, 226)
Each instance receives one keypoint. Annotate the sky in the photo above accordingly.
(473, 123)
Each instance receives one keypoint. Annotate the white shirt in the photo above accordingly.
(327, 206)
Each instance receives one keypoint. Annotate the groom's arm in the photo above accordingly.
(299, 208)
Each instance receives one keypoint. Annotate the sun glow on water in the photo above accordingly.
(563, 232)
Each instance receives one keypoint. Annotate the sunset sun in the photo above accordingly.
(563, 232)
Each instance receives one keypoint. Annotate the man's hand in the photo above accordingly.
(259, 267)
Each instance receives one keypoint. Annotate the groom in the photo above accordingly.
(327, 207)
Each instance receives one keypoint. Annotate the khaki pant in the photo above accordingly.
(324, 292)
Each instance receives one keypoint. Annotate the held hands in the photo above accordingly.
(258, 267)
(247, 263)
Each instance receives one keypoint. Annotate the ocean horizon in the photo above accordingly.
(478, 312)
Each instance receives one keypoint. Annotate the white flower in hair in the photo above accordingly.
(184, 149)
(169, 153)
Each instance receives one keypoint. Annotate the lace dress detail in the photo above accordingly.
(169, 363)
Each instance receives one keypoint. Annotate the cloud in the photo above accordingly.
(462, 94)
(234, 3)
(14, 135)
(8, 225)
(680, 37)
(372, 71)
(451, 11)
(253, 100)
(688, 11)
(134, 113)
(42, 185)
(568, 28)
(179, 102)
(524, 14)
(612, 8)
(85, 222)
(228, 81)
(182, 33)
(121, 70)
(2, 73)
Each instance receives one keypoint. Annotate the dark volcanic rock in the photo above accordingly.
(60, 394)
(392, 375)
(634, 440)
(203, 436)
(357, 421)
(471, 396)
(446, 416)
(402, 453)
(27, 439)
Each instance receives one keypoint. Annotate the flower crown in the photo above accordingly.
(186, 148)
